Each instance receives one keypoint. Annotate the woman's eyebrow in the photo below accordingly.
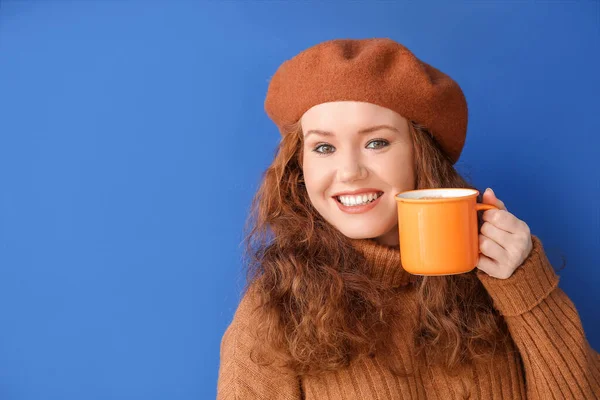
(362, 131)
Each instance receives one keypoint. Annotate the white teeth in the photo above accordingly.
(358, 200)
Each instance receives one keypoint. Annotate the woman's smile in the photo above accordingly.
(358, 204)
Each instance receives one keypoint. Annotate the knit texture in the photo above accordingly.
(549, 358)
(378, 71)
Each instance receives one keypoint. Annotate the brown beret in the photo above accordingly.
(379, 71)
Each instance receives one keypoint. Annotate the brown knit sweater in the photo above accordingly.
(552, 358)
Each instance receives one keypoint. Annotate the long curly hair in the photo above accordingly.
(319, 310)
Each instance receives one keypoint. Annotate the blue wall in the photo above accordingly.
(133, 136)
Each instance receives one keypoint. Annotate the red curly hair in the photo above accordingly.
(319, 310)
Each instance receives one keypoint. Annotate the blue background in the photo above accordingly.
(133, 136)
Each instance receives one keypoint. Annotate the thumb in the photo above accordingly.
(489, 197)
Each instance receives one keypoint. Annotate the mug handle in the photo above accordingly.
(481, 207)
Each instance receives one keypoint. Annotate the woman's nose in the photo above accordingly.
(351, 169)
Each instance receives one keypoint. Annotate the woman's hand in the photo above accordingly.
(504, 240)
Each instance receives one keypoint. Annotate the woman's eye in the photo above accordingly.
(327, 148)
(321, 146)
(384, 143)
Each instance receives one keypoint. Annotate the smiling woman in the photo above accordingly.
(371, 152)
(329, 312)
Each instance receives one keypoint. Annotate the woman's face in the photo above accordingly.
(361, 148)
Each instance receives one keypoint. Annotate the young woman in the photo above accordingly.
(329, 313)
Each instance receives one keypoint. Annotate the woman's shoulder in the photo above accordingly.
(241, 335)
(244, 371)
(247, 308)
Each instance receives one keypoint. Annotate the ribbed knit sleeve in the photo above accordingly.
(559, 362)
(239, 377)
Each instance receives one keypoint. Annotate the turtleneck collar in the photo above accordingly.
(385, 262)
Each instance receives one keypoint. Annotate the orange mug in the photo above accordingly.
(438, 230)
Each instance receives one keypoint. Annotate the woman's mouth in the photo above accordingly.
(358, 204)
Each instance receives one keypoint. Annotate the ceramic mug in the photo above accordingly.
(438, 230)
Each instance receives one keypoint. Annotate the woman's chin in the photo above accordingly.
(358, 233)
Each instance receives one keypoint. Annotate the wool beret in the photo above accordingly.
(378, 71)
